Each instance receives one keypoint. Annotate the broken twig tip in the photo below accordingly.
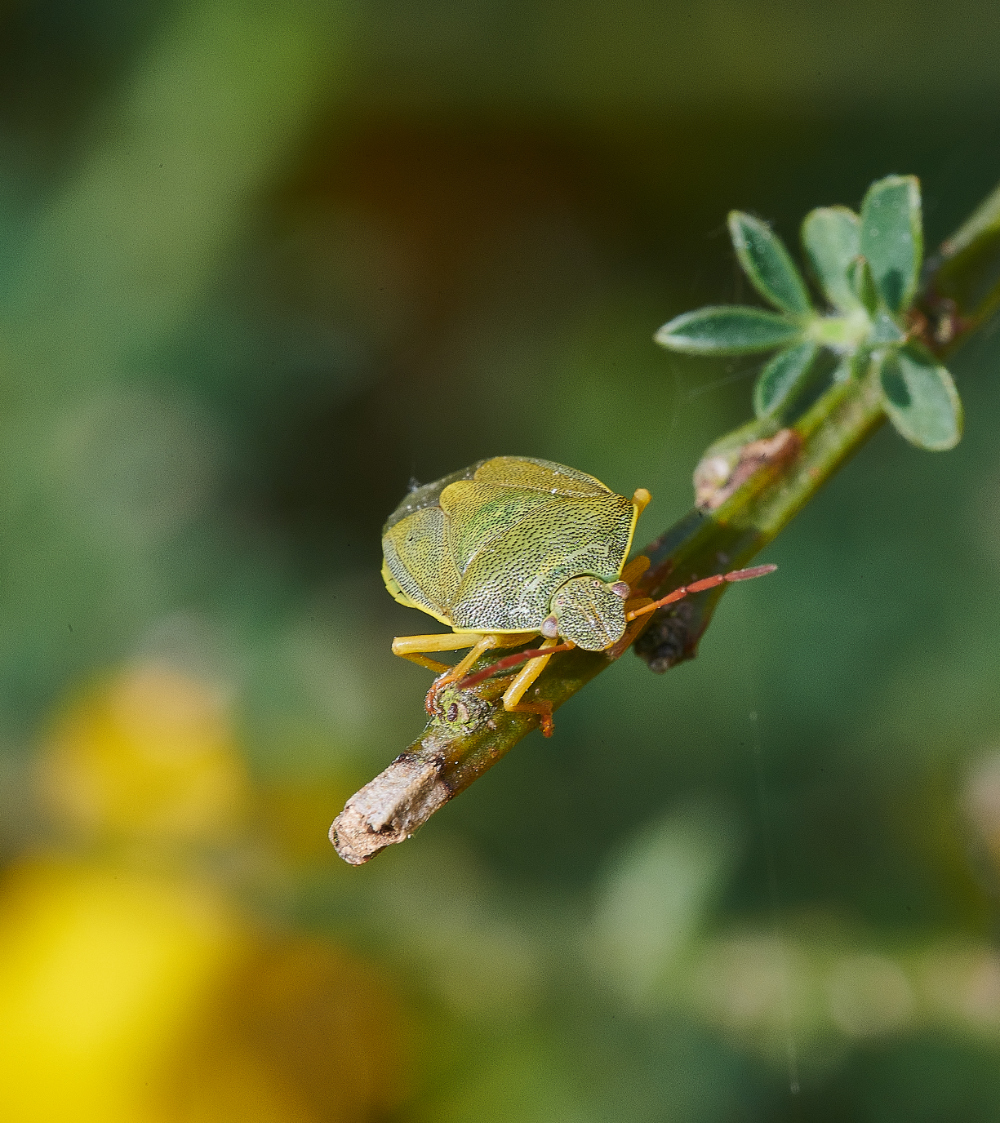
(388, 809)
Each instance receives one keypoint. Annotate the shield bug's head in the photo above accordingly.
(588, 611)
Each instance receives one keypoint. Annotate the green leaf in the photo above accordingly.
(782, 376)
(728, 330)
(832, 240)
(920, 399)
(885, 330)
(852, 365)
(862, 282)
(767, 263)
(892, 238)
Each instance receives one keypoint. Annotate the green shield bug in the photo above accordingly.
(513, 548)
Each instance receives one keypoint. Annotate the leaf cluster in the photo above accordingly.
(867, 268)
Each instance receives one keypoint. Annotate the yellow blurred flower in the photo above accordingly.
(136, 992)
(149, 753)
(99, 973)
(131, 999)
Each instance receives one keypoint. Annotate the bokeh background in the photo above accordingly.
(262, 264)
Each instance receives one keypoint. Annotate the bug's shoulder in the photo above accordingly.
(519, 500)
(529, 473)
(421, 496)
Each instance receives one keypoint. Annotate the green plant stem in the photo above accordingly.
(961, 289)
(470, 731)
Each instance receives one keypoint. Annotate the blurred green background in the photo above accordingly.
(263, 263)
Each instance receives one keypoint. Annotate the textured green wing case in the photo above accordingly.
(486, 548)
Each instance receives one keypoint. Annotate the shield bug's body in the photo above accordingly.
(510, 549)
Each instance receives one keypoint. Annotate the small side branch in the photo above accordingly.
(389, 809)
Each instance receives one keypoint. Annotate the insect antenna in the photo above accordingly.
(701, 586)
(508, 662)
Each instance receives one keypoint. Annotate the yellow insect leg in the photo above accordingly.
(634, 570)
(453, 674)
(522, 681)
(483, 643)
(413, 647)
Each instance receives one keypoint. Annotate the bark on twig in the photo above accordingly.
(388, 809)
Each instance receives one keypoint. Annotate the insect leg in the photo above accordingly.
(510, 661)
(414, 647)
(522, 681)
(434, 665)
(634, 570)
(483, 643)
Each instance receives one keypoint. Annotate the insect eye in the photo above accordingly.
(550, 627)
(620, 589)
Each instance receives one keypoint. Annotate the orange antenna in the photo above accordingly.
(511, 661)
(701, 586)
